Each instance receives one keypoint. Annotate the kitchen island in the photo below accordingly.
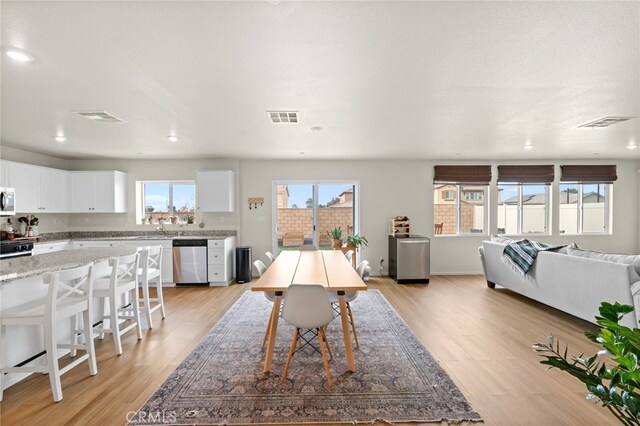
(21, 282)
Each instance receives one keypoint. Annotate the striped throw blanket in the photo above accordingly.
(521, 254)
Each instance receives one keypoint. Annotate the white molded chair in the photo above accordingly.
(69, 294)
(271, 257)
(269, 295)
(307, 306)
(151, 269)
(307, 247)
(122, 281)
(349, 255)
(350, 297)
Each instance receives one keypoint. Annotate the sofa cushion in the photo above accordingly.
(627, 259)
(500, 239)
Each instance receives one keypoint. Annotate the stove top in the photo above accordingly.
(15, 248)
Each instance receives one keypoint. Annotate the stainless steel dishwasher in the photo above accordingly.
(190, 261)
(410, 259)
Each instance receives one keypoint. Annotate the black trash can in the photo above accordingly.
(243, 264)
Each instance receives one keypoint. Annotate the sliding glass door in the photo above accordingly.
(305, 213)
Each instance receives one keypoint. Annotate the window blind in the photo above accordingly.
(526, 174)
(470, 175)
(596, 173)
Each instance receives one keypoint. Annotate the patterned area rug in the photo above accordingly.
(221, 381)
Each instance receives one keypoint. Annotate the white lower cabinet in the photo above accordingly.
(220, 261)
(93, 244)
(42, 248)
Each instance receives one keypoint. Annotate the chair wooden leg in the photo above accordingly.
(159, 295)
(353, 325)
(292, 349)
(266, 333)
(321, 337)
(101, 302)
(88, 341)
(147, 303)
(115, 328)
(73, 322)
(52, 360)
(326, 341)
(135, 301)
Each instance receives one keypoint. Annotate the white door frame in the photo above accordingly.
(314, 183)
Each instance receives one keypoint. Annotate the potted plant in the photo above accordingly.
(336, 237)
(615, 383)
(356, 241)
(189, 219)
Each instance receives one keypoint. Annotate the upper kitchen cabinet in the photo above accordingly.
(216, 191)
(98, 192)
(39, 189)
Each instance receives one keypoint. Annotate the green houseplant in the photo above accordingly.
(336, 237)
(357, 240)
(614, 385)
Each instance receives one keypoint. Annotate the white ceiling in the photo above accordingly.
(438, 80)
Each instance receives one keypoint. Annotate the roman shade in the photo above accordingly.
(470, 175)
(596, 173)
(526, 174)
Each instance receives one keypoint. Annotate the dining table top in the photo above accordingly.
(329, 268)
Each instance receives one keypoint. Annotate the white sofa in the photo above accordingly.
(572, 284)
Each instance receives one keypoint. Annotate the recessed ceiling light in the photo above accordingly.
(19, 55)
(60, 138)
(301, 152)
(315, 128)
(172, 138)
(631, 146)
(528, 147)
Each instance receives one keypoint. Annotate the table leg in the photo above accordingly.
(273, 328)
(348, 348)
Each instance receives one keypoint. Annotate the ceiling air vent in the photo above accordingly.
(283, 116)
(605, 121)
(100, 116)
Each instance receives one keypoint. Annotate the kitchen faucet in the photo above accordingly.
(161, 229)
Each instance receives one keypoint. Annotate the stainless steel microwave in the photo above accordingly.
(7, 201)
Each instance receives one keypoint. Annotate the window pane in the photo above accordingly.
(184, 199)
(593, 204)
(335, 209)
(569, 208)
(295, 216)
(472, 208)
(445, 216)
(507, 209)
(534, 208)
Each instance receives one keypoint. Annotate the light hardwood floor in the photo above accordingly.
(481, 337)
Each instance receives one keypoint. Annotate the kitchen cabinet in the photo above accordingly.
(220, 261)
(42, 248)
(38, 189)
(98, 192)
(93, 244)
(215, 190)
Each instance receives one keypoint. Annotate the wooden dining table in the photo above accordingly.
(330, 269)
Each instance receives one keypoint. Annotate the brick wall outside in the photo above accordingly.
(299, 220)
(446, 214)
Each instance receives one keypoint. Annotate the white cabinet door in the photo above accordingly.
(98, 192)
(4, 174)
(103, 192)
(82, 193)
(215, 191)
(25, 178)
(54, 191)
(41, 248)
(95, 243)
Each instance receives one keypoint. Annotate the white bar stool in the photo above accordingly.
(151, 269)
(122, 281)
(70, 292)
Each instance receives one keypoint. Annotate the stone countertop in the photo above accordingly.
(31, 266)
(133, 235)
